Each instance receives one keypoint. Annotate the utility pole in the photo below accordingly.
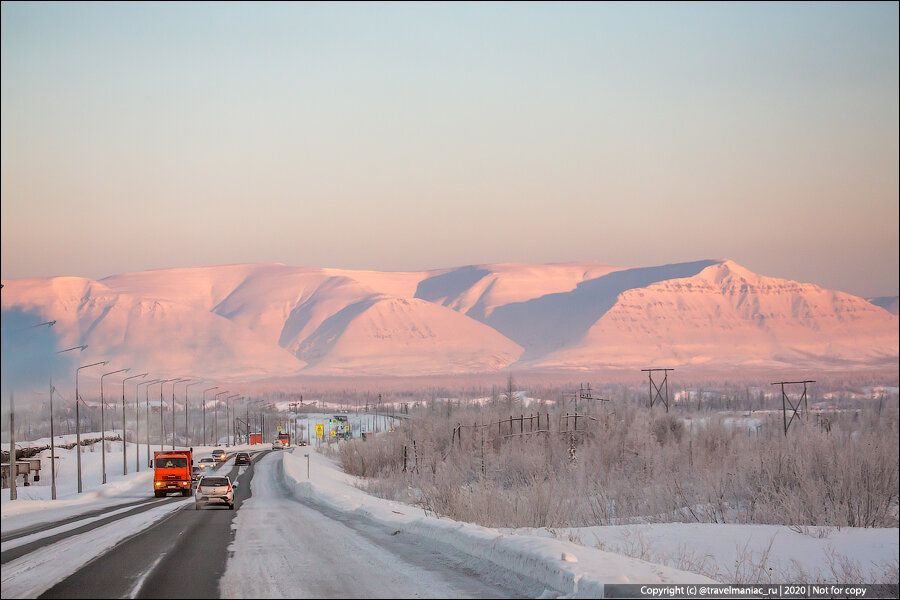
(103, 422)
(663, 385)
(137, 421)
(124, 441)
(52, 447)
(78, 421)
(795, 409)
(203, 399)
(13, 495)
(188, 438)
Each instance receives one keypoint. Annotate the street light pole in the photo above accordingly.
(137, 421)
(52, 433)
(227, 429)
(187, 434)
(125, 441)
(162, 405)
(177, 381)
(147, 397)
(204, 410)
(103, 422)
(78, 419)
(216, 422)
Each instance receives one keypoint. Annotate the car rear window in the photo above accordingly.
(214, 481)
(171, 463)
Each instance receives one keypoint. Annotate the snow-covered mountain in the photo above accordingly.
(259, 320)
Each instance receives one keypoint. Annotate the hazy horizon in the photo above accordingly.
(410, 137)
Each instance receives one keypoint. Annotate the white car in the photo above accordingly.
(207, 463)
(276, 445)
(214, 489)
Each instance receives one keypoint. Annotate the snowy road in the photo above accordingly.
(272, 546)
(287, 549)
(181, 555)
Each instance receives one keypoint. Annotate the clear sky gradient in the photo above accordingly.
(397, 137)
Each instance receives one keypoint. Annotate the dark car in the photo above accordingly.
(242, 458)
(196, 473)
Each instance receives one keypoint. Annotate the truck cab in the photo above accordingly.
(172, 472)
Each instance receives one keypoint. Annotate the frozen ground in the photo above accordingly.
(750, 553)
(293, 520)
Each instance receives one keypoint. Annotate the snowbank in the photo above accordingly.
(31, 575)
(34, 505)
(561, 566)
(749, 553)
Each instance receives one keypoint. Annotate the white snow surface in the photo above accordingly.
(489, 551)
(263, 320)
(34, 505)
(741, 553)
(31, 575)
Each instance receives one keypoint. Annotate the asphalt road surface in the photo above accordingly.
(181, 556)
(271, 546)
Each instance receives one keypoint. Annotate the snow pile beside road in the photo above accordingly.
(749, 553)
(36, 572)
(561, 566)
(34, 505)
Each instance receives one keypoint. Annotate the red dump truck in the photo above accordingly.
(172, 472)
(285, 439)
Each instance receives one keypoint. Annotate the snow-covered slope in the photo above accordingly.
(259, 320)
(379, 333)
(478, 290)
(145, 332)
(726, 314)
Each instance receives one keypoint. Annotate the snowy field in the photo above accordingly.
(676, 551)
(749, 553)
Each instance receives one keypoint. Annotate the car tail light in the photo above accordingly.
(229, 487)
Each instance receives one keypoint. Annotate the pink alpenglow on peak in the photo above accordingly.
(255, 321)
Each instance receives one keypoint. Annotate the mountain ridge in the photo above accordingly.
(270, 319)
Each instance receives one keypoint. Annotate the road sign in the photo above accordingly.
(320, 431)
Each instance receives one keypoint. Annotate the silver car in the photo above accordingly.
(216, 489)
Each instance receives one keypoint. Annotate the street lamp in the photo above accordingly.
(162, 437)
(227, 398)
(137, 422)
(173, 408)
(216, 422)
(147, 398)
(204, 410)
(124, 441)
(103, 422)
(52, 435)
(187, 434)
(78, 418)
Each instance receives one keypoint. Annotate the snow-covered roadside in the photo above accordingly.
(749, 553)
(33, 574)
(34, 506)
(567, 568)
